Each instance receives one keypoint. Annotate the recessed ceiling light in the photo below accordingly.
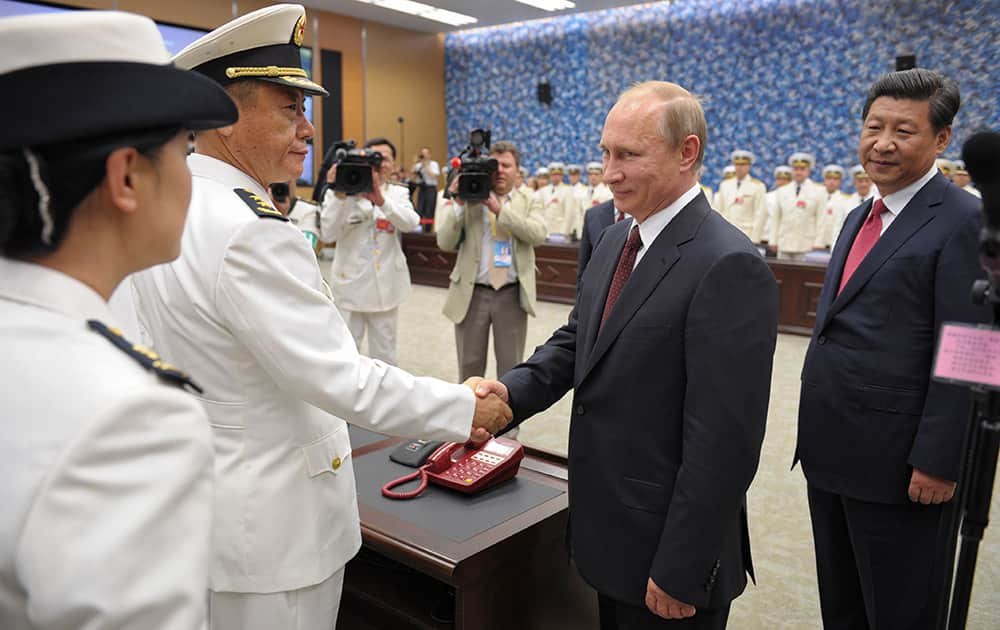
(549, 5)
(420, 9)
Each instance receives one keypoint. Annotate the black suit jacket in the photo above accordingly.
(594, 221)
(668, 412)
(869, 411)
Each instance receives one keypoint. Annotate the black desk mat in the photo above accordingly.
(363, 437)
(446, 512)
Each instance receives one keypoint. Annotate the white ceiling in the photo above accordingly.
(489, 12)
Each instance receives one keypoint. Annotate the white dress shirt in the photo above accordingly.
(243, 309)
(656, 222)
(896, 201)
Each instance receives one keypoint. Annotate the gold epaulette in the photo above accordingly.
(144, 356)
(262, 207)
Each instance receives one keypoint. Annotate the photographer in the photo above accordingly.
(493, 282)
(425, 174)
(369, 277)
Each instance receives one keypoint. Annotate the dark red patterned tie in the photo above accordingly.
(623, 271)
(620, 217)
(863, 242)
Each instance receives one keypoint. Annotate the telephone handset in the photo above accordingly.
(465, 468)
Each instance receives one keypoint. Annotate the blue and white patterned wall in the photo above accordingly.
(776, 75)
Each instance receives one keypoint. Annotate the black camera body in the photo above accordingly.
(475, 175)
(354, 168)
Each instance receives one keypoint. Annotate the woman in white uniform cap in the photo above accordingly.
(106, 461)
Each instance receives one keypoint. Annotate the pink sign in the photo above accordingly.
(968, 354)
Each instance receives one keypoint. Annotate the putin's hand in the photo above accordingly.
(663, 605)
(492, 413)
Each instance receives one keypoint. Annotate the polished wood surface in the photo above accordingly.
(799, 283)
(514, 575)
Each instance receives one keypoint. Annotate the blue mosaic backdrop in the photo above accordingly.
(776, 76)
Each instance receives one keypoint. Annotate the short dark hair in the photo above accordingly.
(384, 141)
(919, 84)
(505, 146)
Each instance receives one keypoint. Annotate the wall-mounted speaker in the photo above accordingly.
(545, 93)
(906, 62)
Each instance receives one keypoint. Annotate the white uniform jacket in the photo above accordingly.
(797, 217)
(107, 471)
(560, 209)
(743, 205)
(598, 195)
(369, 273)
(243, 309)
(835, 208)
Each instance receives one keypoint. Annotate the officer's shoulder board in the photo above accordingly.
(260, 206)
(146, 357)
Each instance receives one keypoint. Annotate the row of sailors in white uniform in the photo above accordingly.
(564, 204)
(800, 215)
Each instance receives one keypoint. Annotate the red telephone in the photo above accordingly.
(463, 467)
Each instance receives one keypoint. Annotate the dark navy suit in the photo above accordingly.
(669, 409)
(595, 219)
(869, 412)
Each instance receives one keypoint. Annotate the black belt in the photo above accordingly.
(490, 286)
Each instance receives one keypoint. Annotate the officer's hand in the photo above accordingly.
(331, 175)
(492, 413)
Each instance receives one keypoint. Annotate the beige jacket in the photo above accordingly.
(461, 230)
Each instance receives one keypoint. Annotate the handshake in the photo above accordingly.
(492, 411)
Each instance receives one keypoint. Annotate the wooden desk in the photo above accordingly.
(514, 575)
(555, 269)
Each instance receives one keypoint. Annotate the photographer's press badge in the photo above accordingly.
(502, 254)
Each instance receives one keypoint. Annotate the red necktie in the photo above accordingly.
(621, 215)
(863, 242)
(625, 263)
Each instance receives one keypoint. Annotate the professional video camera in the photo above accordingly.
(354, 167)
(475, 169)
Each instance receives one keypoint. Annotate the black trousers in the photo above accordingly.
(426, 201)
(618, 616)
(879, 566)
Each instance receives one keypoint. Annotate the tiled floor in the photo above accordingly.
(786, 596)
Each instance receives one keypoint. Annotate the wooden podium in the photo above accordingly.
(555, 270)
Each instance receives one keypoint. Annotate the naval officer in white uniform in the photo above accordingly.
(244, 308)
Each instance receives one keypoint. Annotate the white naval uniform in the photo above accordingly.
(243, 309)
(796, 220)
(560, 209)
(972, 190)
(598, 195)
(107, 471)
(850, 202)
(834, 210)
(305, 216)
(741, 202)
(369, 277)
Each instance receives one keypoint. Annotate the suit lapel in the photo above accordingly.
(920, 211)
(655, 263)
(603, 270)
(838, 258)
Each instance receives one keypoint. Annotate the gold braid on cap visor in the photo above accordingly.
(265, 71)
